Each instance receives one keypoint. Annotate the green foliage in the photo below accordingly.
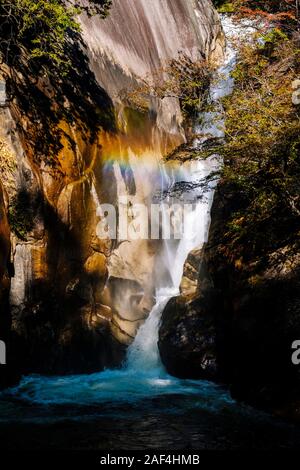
(181, 78)
(47, 73)
(283, 13)
(20, 215)
(42, 27)
(225, 6)
(50, 18)
(262, 148)
(274, 36)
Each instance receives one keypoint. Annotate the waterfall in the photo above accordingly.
(143, 354)
(140, 407)
(198, 181)
(143, 375)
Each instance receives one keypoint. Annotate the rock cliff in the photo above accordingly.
(4, 266)
(76, 300)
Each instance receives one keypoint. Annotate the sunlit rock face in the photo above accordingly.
(140, 37)
(4, 276)
(4, 251)
(8, 184)
(134, 44)
(76, 300)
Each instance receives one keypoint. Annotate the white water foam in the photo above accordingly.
(143, 354)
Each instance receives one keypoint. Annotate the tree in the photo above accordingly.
(181, 78)
(92, 7)
(262, 147)
(283, 13)
(47, 73)
(42, 27)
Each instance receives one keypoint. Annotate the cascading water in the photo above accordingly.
(143, 353)
(195, 182)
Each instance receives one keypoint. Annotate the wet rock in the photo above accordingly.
(189, 282)
(96, 268)
(259, 315)
(187, 337)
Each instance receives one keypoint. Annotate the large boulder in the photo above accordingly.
(188, 330)
(187, 337)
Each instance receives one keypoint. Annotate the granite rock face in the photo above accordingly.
(187, 336)
(4, 279)
(139, 37)
(4, 241)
